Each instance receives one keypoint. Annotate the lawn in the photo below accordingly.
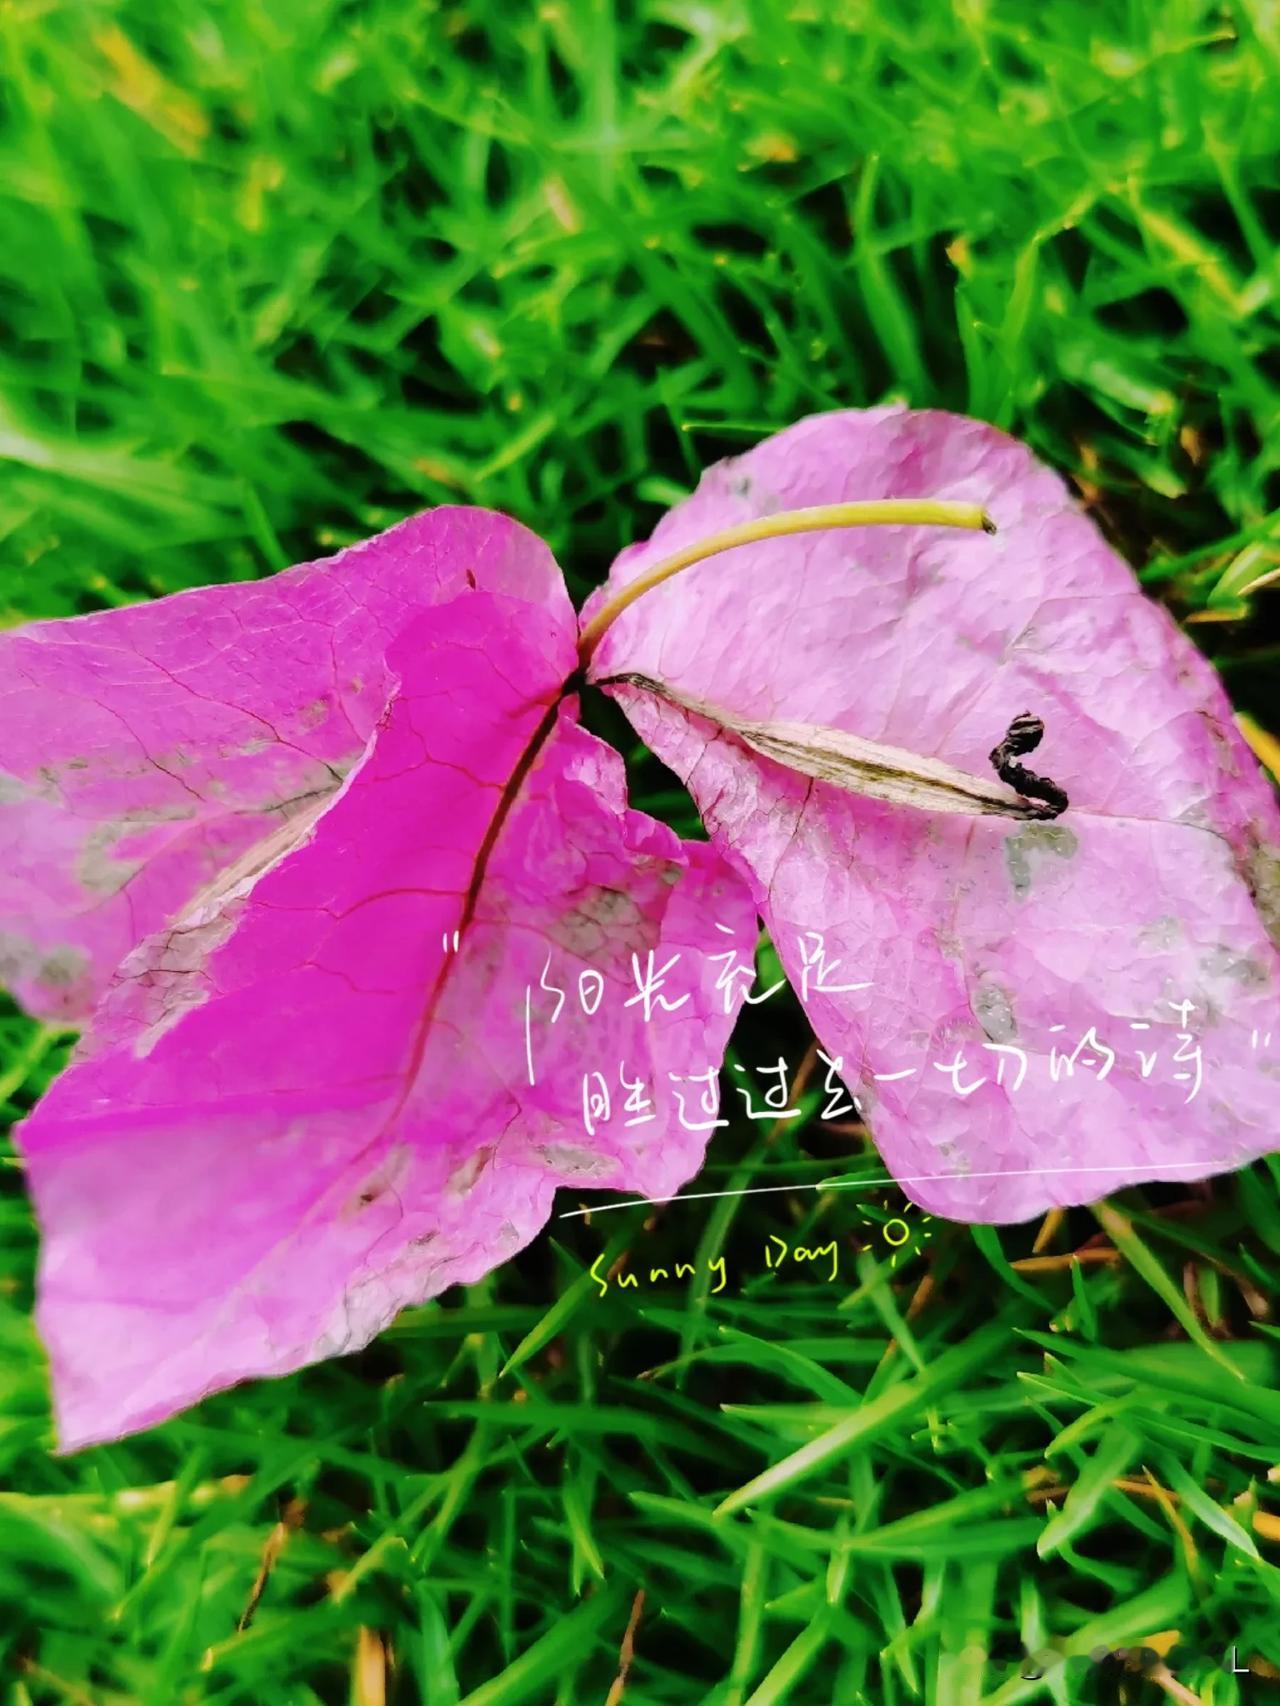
(273, 276)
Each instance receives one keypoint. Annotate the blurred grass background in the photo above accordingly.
(273, 275)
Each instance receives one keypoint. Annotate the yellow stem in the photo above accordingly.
(883, 512)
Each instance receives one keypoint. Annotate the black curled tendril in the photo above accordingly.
(1023, 735)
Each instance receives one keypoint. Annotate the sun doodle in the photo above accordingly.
(903, 1235)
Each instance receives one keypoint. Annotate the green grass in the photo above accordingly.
(273, 276)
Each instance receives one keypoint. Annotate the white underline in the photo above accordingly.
(872, 1184)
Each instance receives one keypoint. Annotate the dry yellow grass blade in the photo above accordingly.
(369, 1669)
(1265, 745)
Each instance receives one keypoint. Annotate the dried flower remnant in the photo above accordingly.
(1024, 735)
(870, 768)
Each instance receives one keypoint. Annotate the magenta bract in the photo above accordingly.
(1024, 990)
(377, 956)
(340, 1077)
